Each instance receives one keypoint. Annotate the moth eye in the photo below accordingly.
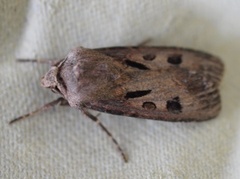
(136, 65)
(149, 105)
(136, 94)
(174, 105)
(61, 81)
(175, 59)
(59, 78)
(149, 57)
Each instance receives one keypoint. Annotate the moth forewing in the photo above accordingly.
(163, 83)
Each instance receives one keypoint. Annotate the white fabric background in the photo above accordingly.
(62, 143)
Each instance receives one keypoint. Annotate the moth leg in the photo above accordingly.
(47, 61)
(95, 119)
(98, 114)
(45, 107)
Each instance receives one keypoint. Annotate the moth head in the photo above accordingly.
(51, 78)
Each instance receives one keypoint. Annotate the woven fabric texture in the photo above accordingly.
(63, 143)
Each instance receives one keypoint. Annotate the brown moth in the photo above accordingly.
(160, 83)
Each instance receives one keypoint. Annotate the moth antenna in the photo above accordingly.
(95, 119)
(47, 61)
(41, 109)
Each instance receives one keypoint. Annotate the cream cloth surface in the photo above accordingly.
(63, 143)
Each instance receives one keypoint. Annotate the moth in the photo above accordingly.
(160, 83)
